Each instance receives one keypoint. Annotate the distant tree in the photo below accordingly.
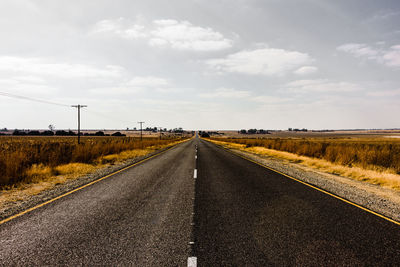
(61, 133)
(252, 131)
(18, 132)
(261, 131)
(243, 131)
(47, 133)
(118, 134)
(99, 133)
(204, 134)
(178, 130)
(34, 132)
(51, 127)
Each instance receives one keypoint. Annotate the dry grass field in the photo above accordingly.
(29, 159)
(372, 159)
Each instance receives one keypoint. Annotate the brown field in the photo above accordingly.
(22, 159)
(368, 153)
(136, 133)
(372, 159)
(317, 134)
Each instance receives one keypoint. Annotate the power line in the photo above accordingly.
(32, 99)
(64, 105)
(103, 115)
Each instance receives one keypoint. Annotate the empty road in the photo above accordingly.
(200, 202)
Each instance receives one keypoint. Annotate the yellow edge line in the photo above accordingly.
(316, 188)
(83, 186)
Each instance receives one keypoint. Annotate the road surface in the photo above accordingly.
(202, 203)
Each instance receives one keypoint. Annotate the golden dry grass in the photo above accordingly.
(379, 176)
(43, 177)
(20, 154)
(368, 153)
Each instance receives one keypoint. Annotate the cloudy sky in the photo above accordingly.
(201, 64)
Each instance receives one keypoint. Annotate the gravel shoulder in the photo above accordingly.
(12, 208)
(374, 197)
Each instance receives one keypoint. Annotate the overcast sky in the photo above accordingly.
(201, 64)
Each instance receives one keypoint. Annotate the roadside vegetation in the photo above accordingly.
(32, 159)
(375, 160)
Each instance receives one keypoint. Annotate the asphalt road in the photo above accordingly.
(244, 215)
(139, 217)
(247, 215)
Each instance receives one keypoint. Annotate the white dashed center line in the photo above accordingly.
(192, 262)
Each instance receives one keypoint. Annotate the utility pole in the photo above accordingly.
(141, 130)
(160, 131)
(79, 120)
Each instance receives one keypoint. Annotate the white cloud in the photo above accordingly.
(38, 66)
(136, 85)
(264, 61)
(121, 27)
(392, 57)
(321, 85)
(183, 35)
(158, 42)
(30, 79)
(226, 93)
(25, 85)
(115, 91)
(265, 99)
(148, 81)
(385, 14)
(180, 35)
(385, 93)
(389, 57)
(306, 70)
(359, 50)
